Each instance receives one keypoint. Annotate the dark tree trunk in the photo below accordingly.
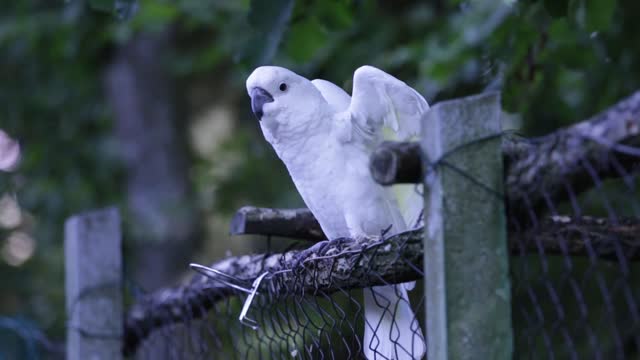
(164, 221)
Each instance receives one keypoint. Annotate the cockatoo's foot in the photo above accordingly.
(322, 249)
(336, 246)
(372, 239)
(367, 239)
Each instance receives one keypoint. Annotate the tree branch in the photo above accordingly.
(577, 157)
(396, 163)
(292, 223)
(583, 236)
(345, 265)
(605, 146)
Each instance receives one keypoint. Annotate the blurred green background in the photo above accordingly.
(141, 104)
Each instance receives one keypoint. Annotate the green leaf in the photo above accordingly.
(123, 9)
(334, 14)
(305, 39)
(101, 5)
(557, 8)
(598, 14)
(155, 14)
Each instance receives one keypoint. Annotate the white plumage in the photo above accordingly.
(325, 138)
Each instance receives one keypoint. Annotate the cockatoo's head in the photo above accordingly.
(281, 99)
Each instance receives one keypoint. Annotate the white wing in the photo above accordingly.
(408, 196)
(380, 102)
(339, 102)
(380, 99)
(337, 98)
(383, 107)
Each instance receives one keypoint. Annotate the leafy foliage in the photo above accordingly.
(555, 62)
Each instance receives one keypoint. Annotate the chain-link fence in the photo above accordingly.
(573, 238)
(315, 312)
(575, 273)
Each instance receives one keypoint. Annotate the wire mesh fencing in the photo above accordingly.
(300, 307)
(575, 241)
(580, 297)
(573, 233)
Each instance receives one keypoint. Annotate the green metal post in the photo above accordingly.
(468, 297)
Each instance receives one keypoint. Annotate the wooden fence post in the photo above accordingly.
(468, 296)
(93, 266)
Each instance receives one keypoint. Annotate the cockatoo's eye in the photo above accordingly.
(283, 87)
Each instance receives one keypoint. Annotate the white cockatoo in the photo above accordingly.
(325, 139)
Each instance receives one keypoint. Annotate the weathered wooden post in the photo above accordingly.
(466, 259)
(93, 262)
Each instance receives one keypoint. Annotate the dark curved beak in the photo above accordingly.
(259, 97)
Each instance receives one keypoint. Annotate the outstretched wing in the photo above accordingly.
(380, 100)
(383, 107)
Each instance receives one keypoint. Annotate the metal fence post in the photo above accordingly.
(468, 305)
(93, 266)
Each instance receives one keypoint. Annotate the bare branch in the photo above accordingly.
(292, 223)
(544, 166)
(571, 157)
(583, 236)
(345, 265)
(396, 163)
